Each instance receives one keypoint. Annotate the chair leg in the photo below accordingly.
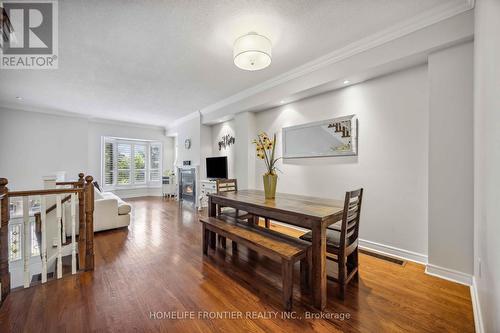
(234, 246)
(355, 262)
(342, 291)
(268, 223)
(223, 241)
(205, 240)
(287, 272)
(255, 220)
(342, 277)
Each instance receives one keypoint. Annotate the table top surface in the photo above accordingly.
(307, 206)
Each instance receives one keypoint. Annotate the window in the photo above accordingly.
(130, 163)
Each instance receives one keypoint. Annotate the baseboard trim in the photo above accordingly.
(449, 274)
(476, 307)
(393, 251)
(378, 248)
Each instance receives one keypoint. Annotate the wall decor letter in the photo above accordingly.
(226, 141)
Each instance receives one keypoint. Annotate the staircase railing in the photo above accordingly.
(83, 190)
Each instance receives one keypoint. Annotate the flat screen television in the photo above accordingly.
(217, 167)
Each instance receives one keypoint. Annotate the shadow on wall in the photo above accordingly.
(337, 160)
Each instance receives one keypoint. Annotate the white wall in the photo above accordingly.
(451, 183)
(37, 144)
(218, 131)
(487, 163)
(96, 130)
(205, 149)
(245, 128)
(392, 161)
(188, 129)
(33, 145)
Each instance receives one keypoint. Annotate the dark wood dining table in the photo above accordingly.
(307, 212)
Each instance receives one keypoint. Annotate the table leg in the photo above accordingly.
(212, 212)
(205, 239)
(319, 265)
(212, 208)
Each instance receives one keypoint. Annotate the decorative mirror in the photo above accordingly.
(332, 137)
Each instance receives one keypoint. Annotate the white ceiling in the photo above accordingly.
(152, 62)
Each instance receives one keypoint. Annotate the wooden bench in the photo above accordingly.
(267, 242)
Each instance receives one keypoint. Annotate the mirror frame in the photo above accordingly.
(354, 136)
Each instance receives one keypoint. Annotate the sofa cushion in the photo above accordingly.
(123, 207)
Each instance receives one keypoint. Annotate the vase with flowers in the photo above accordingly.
(266, 148)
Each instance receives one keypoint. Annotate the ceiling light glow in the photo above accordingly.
(252, 52)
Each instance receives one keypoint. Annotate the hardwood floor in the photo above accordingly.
(156, 268)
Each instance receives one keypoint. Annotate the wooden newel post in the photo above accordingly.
(89, 223)
(81, 223)
(4, 240)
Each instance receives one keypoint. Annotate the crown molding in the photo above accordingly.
(124, 123)
(184, 119)
(88, 118)
(428, 18)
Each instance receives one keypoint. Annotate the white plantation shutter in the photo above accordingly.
(128, 163)
(124, 163)
(109, 163)
(155, 162)
(139, 164)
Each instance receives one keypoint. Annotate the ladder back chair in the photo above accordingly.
(229, 185)
(342, 241)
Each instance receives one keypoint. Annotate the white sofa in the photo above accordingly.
(110, 212)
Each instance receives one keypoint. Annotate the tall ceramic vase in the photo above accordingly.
(270, 181)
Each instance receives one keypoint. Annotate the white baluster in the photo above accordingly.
(27, 241)
(43, 249)
(7, 229)
(59, 247)
(63, 222)
(73, 236)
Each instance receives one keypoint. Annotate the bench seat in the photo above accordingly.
(268, 242)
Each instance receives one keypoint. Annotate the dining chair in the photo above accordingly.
(228, 185)
(342, 241)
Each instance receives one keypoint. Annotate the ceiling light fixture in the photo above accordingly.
(252, 52)
(347, 82)
(282, 102)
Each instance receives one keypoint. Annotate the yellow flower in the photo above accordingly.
(259, 147)
(263, 136)
(260, 155)
(268, 145)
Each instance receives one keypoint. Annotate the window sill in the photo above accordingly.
(132, 187)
